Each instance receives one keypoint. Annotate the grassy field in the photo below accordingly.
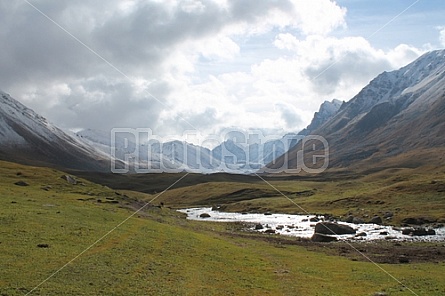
(158, 252)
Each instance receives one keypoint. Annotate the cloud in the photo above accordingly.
(442, 36)
(204, 64)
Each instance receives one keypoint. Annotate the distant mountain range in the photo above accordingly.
(398, 119)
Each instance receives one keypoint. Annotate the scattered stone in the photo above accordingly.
(322, 238)
(333, 228)
(305, 220)
(43, 246)
(204, 215)
(267, 213)
(69, 179)
(418, 231)
(314, 219)
(384, 233)
(258, 226)
(279, 227)
(281, 271)
(403, 259)
(47, 188)
(19, 173)
(21, 183)
(376, 220)
(269, 231)
(388, 215)
(418, 220)
(349, 219)
(361, 234)
(357, 220)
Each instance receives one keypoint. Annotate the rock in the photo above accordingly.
(267, 213)
(269, 231)
(43, 246)
(322, 238)
(403, 259)
(258, 227)
(349, 219)
(314, 219)
(305, 220)
(376, 220)
(418, 231)
(357, 220)
(384, 233)
(418, 220)
(380, 294)
(333, 228)
(69, 179)
(46, 188)
(204, 215)
(388, 215)
(21, 183)
(361, 234)
(279, 227)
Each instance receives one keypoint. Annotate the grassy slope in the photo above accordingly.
(158, 252)
(405, 192)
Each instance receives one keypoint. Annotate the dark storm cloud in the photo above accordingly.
(36, 54)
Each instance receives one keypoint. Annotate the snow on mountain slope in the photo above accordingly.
(397, 114)
(28, 137)
(327, 111)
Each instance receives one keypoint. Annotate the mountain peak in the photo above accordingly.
(327, 110)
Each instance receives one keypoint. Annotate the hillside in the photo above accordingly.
(28, 138)
(396, 120)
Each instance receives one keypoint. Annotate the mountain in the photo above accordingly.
(28, 138)
(147, 154)
(326, 112)
(397, 120)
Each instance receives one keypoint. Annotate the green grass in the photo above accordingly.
(158, 252)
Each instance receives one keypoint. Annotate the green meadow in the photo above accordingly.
(87, 239)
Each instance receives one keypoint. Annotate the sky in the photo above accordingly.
(204, 65)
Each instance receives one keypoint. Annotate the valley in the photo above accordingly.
(157, 251)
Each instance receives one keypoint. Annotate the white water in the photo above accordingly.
(300, 226)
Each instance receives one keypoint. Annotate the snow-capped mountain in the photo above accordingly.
(29, 138)
(151, 155)
(327, 111)
(398, 119)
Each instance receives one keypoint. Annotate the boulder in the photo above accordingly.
(269, 231)
(357, 220)
(349, 219)
(418, 220)
(69, 179)
(258, 227)
(418, 231)
(322, 238)
(314, 219)
(333, 228)
(21, 183)
(204, 215)
(376, 220)
(403, 259)
(388, 215)
(361, 234)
